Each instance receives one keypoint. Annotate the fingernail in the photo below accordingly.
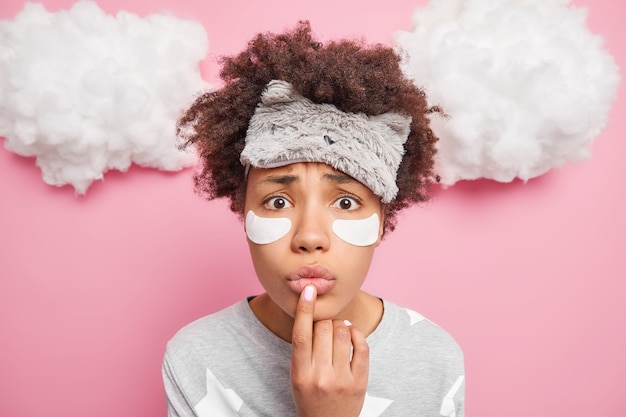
(347, 323)
(308, 293)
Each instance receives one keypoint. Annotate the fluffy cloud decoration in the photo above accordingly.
(85, 92)
(525, 85)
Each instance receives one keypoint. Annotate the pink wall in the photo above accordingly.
(529, 278)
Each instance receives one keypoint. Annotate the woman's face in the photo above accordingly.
(308, 223)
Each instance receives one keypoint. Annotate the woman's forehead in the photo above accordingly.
(296, 167)
(294, 172)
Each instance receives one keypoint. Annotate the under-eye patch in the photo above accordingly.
(264, 230)
(358, 232)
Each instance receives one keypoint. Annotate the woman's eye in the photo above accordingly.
(276, 203)
(346, 203)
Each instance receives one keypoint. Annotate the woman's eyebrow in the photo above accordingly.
(339, 178)
(280, 179)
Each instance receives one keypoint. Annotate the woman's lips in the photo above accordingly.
(315, 275)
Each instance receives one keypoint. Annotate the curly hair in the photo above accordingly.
(352, 76)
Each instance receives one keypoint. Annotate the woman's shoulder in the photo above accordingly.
(217, 327)
(407, 327)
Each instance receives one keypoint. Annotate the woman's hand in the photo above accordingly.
(327, 379)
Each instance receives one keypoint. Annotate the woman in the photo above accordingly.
(317, 147)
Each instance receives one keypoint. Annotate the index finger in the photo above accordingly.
(302, 332)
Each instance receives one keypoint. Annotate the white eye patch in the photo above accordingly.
(264, 230)
(358, 232)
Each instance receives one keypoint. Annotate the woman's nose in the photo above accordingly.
(310, 233)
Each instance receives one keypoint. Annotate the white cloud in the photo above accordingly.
(527, 86)
(85, 92)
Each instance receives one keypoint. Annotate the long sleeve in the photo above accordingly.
(177, 405)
